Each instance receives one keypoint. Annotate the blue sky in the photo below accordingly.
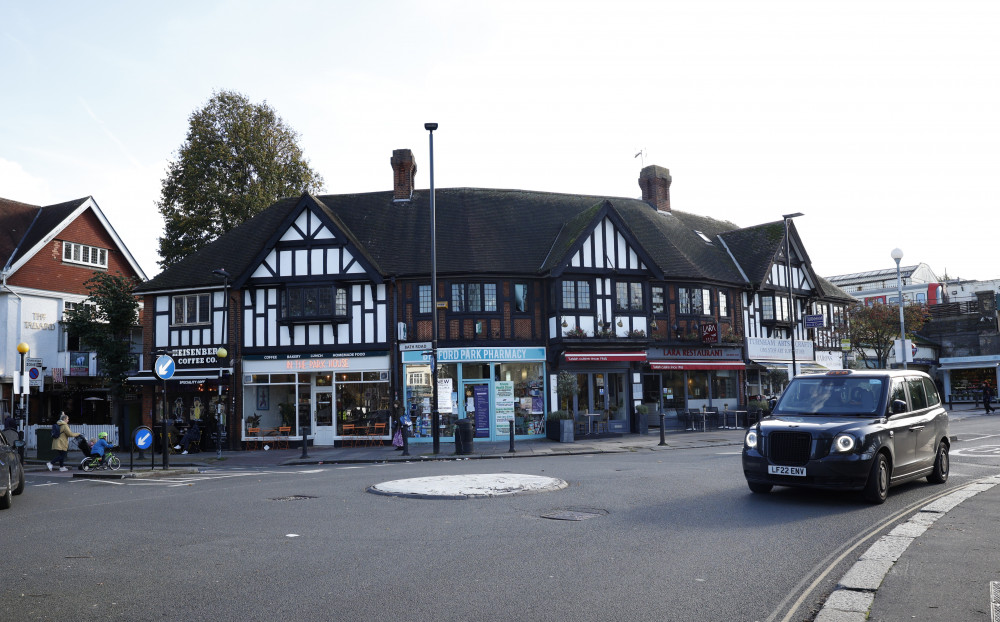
(877, 119)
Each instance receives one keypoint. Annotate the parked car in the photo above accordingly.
(850, 430)
(11, 469)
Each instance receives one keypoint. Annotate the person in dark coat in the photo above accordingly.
(988, 398)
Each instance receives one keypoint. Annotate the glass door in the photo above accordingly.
(324, 430)
(477, 405)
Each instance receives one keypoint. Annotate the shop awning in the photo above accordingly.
(697, 365)
(604, 357)
(182, 377)
(984, 365)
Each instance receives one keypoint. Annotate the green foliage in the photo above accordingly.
(760, 405)
(556, 415)
(874, 329)
(238, 159)
(105, 322)
(642, 409)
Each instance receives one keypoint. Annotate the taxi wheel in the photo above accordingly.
(877, 487)
(940, 473)
(759, 488)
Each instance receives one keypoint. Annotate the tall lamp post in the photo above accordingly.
(788, 277)
(23, 349)
(897, 256)
(220, 421)
(435, 417)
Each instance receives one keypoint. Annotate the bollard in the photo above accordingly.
(663, 439)
(510, 426)
(458, 442)
(305, 433)
(406, 444)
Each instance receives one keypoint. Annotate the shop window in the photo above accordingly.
(86, 255)
(628, 297)
(425, 302)
(658, 299)
(314, 302)
(473, 297)
(191, 309)
(576, 294)
(694, 301)
(520, 297)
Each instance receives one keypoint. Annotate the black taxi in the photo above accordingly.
(11, 469)
(850, 430)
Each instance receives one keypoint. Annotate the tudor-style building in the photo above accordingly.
(327, 311)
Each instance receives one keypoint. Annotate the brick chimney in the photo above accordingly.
(655, 183)
(404, 169)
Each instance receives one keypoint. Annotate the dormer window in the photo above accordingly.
(312, 303)
(85, 255)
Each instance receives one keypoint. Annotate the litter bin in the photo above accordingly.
(465, 431)
(43, 441)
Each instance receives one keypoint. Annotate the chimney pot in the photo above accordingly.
(655, 183)
(404, 170)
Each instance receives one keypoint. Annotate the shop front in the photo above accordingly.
(963, 377)
(495, 387)
(604, 388)
(700, 378)
(341, 398)
(771, 360)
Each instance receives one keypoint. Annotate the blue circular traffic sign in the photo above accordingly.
(143, 437)
(164, 367)
(33, 373)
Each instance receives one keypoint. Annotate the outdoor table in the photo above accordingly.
(590, 421)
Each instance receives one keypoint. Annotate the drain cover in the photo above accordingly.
(574, 514)
(293, 498)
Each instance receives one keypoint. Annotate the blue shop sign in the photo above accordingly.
(476, 355)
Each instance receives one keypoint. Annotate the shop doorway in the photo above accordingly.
(324, 428)
(476, 405)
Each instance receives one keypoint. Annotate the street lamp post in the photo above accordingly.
(220, 422)
(788, 276)
(897, 256)
(220, 411)
(435, 418)
(22, 420)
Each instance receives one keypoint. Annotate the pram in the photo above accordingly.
(84, 446)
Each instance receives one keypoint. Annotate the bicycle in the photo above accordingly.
(93, 463)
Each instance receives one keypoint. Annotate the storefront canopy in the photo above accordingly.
(604, 357)
(185, 377)
(697, 365)
(983, 365)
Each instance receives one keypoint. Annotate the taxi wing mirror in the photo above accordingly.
(898, 406)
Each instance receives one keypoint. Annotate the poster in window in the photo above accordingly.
(263, 398)
(79, 363)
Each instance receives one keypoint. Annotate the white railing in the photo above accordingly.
(90, 431)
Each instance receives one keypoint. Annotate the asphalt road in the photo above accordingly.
(668, 535)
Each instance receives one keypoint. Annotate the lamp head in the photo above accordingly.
(430, 127)
(222, 353)
(896, 254)
(23, 348)
(221, 272)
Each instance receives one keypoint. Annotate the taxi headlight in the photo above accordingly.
(751, 439)
(844, 443)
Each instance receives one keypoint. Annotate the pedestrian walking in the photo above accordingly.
(988, 398)
(60, 444)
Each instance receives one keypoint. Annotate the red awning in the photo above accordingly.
(697, 365)
(604, 357)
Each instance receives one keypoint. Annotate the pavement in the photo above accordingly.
(942, 564)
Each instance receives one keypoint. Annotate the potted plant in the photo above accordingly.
(637, 333)
(559, 426)
(287, 410)
(642, 419)
(576, 332)
(253, 421)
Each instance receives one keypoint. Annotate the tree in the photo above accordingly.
(105, 322)
(238, 159)
(873, 329)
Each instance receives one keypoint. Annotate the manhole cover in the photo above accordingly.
(575, 514)
(293, 498)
